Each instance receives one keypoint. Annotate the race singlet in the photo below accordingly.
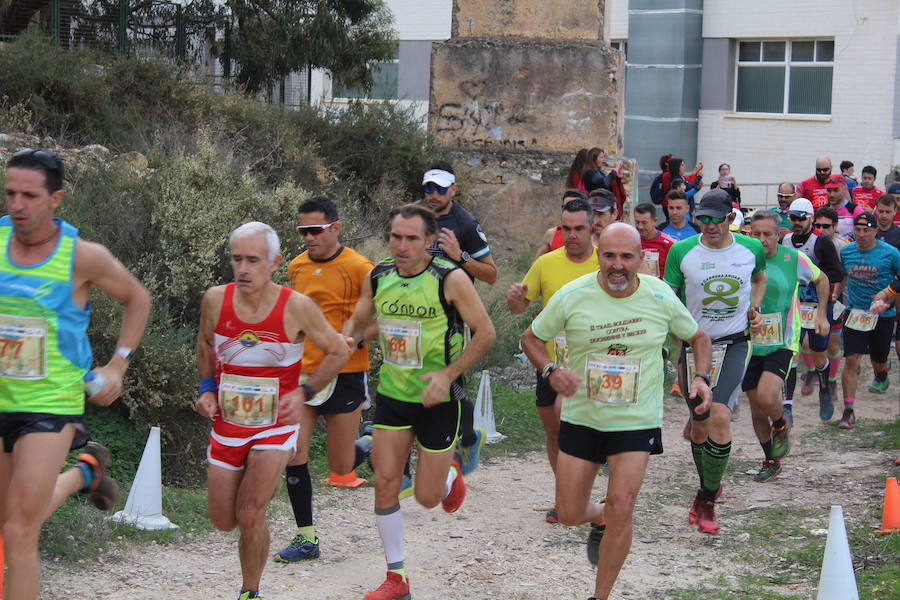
(401, 342)
(248, 401)
(861, 320)
(809, 311)
(612, 379)
(770, 334)
(23, 347)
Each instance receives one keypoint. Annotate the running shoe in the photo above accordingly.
(552, 517)
(593, 542)
(706, 517)
(787, 412)
(809, 379)
(468, 456)
(393, 588)
(826, 403)
(781, 442)
(880, 387)
(249, 596)
(676, 390)
(768, 471)
(407, 488)
(301, 548)
(848, 419)
(692, 512)
(457, 493)
(103, 491)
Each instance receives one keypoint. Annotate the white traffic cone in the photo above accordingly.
(484, 409)
(143, 509)
(837, 582)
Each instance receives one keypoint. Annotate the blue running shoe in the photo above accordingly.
(468, 456)
(299, 549)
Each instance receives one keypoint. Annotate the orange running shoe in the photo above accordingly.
(457, 493)
(393, 588)
(706, 517)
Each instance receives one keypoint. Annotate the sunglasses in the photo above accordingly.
(314, 229)
(706, 220)
(42, 156)
(797, 218)
(430, 188)
(824, 225)
(785, 195)
(822, 170)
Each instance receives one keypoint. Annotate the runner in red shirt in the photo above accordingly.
(655, 243)
(813, 189)
(867, 195)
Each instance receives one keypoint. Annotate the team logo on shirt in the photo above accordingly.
(248, 338)
(722, 299)
(618, 350)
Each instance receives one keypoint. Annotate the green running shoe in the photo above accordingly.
(781, 443)
(880, 387)
(768, 471)
(407, 488)
(249, 596)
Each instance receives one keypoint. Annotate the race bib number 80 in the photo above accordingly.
(248, 401)
(612, 379)
(808, 314)
(23, 347)
(401, 342)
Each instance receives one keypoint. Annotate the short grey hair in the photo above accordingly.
(762, 215)
(273, 245)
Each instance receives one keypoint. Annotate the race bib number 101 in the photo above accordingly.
(612, 379)
(248, 401)
(23, 347)
(401, 342)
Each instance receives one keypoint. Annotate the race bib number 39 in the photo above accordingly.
(401, 342)
(861, 320)
(808, 313)
(770, 334)
(23, 347)
(248, 401)
(718, 355)
(612, 379)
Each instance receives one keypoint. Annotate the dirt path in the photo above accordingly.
(498, 546)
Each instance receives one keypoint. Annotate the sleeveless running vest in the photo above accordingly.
(808, 292)
(419, 331)
(253, 350)
(44, 350)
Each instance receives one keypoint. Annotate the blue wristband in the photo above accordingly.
(208, 384)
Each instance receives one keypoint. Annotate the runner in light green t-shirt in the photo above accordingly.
(615, 321)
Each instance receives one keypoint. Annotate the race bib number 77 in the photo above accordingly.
(23, 347)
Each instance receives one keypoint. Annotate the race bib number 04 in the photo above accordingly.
(401, 342)
(248, 401)
(808, 313)
(323, 394)
(718, 356)
(770, 334)
(861, 320)
(612, 379)
(561, 349)
(23, 347)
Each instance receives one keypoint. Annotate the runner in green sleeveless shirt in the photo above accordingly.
(776, 343)
(421, 304)
(46, 276)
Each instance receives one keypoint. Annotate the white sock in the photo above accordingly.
(391, 528)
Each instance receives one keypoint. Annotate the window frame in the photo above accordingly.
(393, 61)
(786, 63)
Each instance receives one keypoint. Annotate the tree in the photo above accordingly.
(276, 37)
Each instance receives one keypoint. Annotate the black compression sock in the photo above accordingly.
(299, 487)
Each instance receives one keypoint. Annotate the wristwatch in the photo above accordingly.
(756, 308)
(464, 257)
(548, 370)
(125, 352)
(308, 390)
(704, 378)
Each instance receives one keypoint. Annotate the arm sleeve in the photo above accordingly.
(474, 241)
(552, 319)
(760, 257)
(829, 261)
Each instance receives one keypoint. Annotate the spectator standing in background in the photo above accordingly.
(726, 182)
(867, 195)
(849, 176)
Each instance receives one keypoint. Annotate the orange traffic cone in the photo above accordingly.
(890, 520)
(350, 480)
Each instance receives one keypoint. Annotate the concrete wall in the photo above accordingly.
(534, 94)
(557, 19)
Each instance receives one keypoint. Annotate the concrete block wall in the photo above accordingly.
(559, 19)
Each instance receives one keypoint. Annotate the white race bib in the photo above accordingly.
(248, 401)
(561, 348)
(861, 320)
(770, 334)
(809, 311)
(612, 379)
(401, 342)
(23, 347)
(651, 258)
(718, 356)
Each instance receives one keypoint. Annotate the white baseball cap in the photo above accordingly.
(801, 207)
(439, 176)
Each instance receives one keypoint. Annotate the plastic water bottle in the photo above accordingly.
(94, 383)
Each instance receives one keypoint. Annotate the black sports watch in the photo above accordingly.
(308, 390)
(705, 378)
(548, 369)
(464, 257)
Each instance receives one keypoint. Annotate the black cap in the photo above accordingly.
(714, 203)
(867, 219)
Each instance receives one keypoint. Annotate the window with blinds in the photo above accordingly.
(785, 76)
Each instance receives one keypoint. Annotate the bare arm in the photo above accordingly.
(306, 316)
(516, 298)
(94, 265)
(207, 404)
(823, 288)
(482, 269)
(757, 292)
(544, 248)
(563, 381)
(360, 324)
(460, 292)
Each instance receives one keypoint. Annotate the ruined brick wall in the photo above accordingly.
(557, 19)
(531, 94)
